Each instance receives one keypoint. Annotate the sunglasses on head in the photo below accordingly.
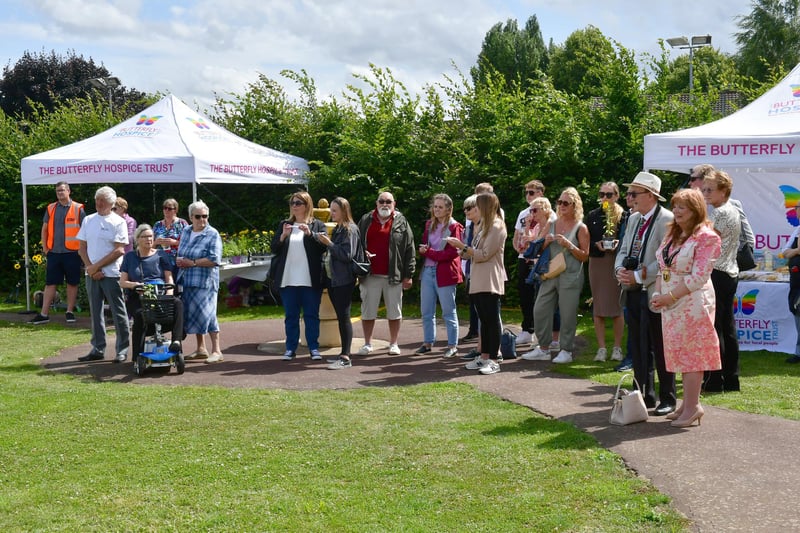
(609, 195)
(385, 202)
(297, 203)
(198, 217)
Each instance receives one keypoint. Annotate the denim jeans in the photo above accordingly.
(294, 299)
(429, 293)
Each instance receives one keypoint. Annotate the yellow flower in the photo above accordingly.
(17, 266)
(37, 259)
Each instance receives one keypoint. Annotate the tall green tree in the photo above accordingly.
(520, 55)
(578, 66)
(769, 37)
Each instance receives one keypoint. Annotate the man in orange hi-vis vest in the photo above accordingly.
(62, 220)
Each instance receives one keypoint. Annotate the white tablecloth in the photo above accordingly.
(253, 270)
(763, 320)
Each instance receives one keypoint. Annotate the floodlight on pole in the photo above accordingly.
(683, 43)
(110, 83)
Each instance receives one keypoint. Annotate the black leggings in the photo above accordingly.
(488, 306)
(341, 297)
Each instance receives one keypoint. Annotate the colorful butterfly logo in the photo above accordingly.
(795, 89)
(791, 197)
(199, 123)
(746, 303)
(144, 120)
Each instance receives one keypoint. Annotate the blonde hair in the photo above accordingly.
(306, 198)
(347, 215)
(572, 192)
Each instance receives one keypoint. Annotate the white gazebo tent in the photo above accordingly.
(166, 143)
(759, 146)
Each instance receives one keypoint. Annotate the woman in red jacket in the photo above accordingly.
(441, 273)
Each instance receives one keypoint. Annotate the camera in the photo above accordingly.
(630, 263)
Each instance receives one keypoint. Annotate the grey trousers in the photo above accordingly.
(108, 289)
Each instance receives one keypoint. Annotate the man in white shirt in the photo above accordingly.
(102, 237)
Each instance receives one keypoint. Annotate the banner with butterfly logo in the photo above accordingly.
(763, 320)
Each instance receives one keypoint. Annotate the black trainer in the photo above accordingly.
(69, 316)
(39, 319)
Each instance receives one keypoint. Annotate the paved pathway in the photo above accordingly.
(737, 472)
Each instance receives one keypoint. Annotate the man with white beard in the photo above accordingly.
(387, 238)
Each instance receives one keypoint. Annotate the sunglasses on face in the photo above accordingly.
(385, 202)
(531, 192)
(633, 194)
(297, 203)
(696, 178)
(148, 236)
(563, 202)
(169, 208)
(198, 217)
(468, 209)
(608, 195)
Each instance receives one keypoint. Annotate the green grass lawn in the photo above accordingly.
(76, 455)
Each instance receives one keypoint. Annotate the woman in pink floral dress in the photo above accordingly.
(685, 297)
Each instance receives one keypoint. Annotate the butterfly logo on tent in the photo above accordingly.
(199, 123)
(144, 120)
(791, 197)
(795, 89)
(746, 303)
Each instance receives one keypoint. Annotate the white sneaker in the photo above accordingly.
(477, 363)
(450, 352)
(601, 355)
(537, 354)
(490, 367)
(393, 349)
(524, 337)
(365, 350)
(554, 346)
(563, 357)
(616, 354)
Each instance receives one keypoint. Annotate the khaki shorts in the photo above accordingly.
(372, 288)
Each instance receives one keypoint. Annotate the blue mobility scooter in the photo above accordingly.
(158, 312)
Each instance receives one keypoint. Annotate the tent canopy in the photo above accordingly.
(764, 135)
(166, 143)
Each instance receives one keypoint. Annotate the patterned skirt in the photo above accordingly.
(199, 310)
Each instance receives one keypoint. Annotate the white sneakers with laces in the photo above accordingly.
(365, 350)
(601, 355)
(537, 354)
(616, 354)
(563, 357)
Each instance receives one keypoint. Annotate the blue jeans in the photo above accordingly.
(429, 293)
(294, 299)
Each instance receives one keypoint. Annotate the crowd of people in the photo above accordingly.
(670, 276)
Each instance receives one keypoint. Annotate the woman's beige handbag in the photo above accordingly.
(628, 407)
(557, 265)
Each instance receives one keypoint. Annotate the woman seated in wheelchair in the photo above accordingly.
(142, 266)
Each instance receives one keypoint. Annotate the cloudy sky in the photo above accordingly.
(198, 48)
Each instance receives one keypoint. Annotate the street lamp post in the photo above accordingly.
(698, 41)
(110, 83)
